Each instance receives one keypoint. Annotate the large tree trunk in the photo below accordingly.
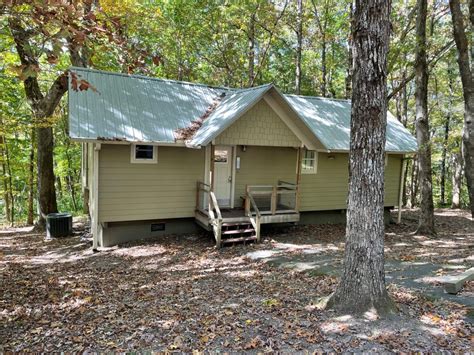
(31, 179)
(467, 80)
(362, 287)
(299, 45)
(349, 58)
(46, 190)
(456, 180)
(426, 218)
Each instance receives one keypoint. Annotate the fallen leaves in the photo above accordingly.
(181, 295)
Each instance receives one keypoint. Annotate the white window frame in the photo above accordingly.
(314, 158)
(135, 160)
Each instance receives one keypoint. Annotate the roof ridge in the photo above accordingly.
(318, 97)
(253, 87)
(145, 77)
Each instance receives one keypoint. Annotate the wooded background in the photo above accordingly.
(302, 46)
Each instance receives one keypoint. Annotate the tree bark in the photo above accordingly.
(10, 182)
(456, 180)
(299, 45)
(6, 195)
(467, 81)
(444, 151)
(322, 26)
(349, 58)
(443, 160)
(31, 179)
(46, 178)
(426, 217)
(251, 54)
(415, 182)
(362, 286)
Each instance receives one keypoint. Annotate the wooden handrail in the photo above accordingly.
(215, 205)
(274, 191)
(254, 206)
(282, 182)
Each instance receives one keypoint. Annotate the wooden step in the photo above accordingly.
(238, 240)
(233, 224)
(238, 231)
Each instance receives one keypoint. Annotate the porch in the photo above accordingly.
(262, 204)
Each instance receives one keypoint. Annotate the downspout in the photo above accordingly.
(95, 202)
(400, 189)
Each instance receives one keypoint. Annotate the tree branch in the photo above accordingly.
(431, 64)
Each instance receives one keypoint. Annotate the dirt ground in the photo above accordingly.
(181, 294)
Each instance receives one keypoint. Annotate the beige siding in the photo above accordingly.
(392, 179)
(327, 190)
(167, 189)
(259, 126)
(264, 166)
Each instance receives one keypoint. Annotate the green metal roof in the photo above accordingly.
(141, 109)
(134, 108)
(330, 120)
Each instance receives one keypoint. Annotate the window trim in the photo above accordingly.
(315, 159)
(135, 160)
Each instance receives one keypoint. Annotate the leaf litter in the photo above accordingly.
(180, 294)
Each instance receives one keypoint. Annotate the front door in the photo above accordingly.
(223, 174)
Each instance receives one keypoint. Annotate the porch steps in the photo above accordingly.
(238, 232)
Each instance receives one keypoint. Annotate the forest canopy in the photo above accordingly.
(302, 46)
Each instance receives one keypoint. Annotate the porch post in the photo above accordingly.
(213, 147)
(299, 155)
(274, 199)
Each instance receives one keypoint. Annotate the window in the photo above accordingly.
(142, 153)
(221, 156)
(309, 162)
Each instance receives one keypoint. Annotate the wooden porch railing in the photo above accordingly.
(280, 198)
(205, 194)
(254, 216)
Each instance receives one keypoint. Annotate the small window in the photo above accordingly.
(309, 163)
(142, 153)
(221, 156)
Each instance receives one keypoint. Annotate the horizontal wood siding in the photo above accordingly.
(264, 166)
(129, 192)
(327, 190)
(259, 126)
(392, 179)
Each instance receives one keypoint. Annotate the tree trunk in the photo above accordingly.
(467, 80)
(415, 182)
(444, 152)
(46, 191)
(456, 180)
(349, 58)
(10, 183)
(299, 45)
(31, 180)
(323, 68)
(362, 287)
(443, 160)
(426, 218)
(405, 185)
(43, 106)
(251, 54)
(6, 195)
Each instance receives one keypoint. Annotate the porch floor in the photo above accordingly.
(283, 215)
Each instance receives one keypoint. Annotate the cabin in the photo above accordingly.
(168, 157)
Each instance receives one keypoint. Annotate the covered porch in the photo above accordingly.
(246, 187)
